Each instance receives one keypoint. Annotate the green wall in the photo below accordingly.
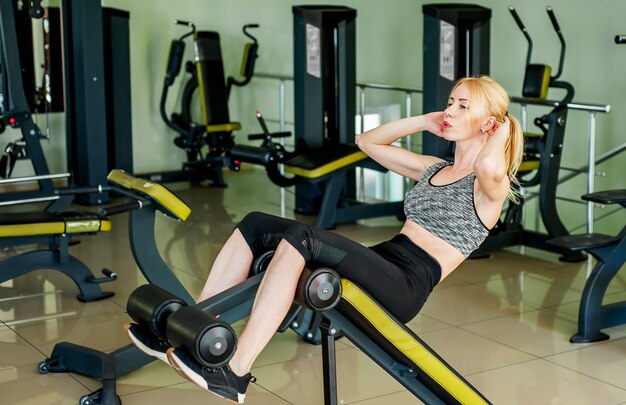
(389, 47)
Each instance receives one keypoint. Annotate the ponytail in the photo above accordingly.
(513, 153)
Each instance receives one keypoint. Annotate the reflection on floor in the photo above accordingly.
(502, 322)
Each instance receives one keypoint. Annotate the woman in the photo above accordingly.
(448, 215)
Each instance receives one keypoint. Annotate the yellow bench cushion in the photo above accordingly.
(48, 223)
(228, 127)
(168, 203)
(528, 166)
(397, 335)
(319, 162)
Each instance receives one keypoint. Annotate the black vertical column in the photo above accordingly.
(456, 44)
(117, 88)
(324, 84)
(24, 27)
(86, 123)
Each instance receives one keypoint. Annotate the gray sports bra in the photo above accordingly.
(447, 211)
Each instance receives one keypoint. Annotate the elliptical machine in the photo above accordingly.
(542, 159)
(192, 137)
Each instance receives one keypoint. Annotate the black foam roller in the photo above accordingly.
(151, 306)
(209, 340)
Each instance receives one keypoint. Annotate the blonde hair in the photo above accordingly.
(488, 97)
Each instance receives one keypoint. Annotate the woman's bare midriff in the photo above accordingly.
(448, 256)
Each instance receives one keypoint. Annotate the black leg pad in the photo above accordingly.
(319, 290)
(211, 341)
(151, 306)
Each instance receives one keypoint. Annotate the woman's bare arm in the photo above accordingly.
(377, 144)
(490, 165)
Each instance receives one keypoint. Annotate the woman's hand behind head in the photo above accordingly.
(434, 122)
(501, 128)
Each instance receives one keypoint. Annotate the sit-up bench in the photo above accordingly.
(54, 229)
(610, 253)
(394, 347)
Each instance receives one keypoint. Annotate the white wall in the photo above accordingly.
(389, 48)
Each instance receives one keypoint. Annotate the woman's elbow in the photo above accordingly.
(360, 142)
(490, 168)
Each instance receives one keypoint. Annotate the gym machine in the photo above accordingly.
(542, 159)
(325, 308)
(96, 94)
(322, 165)
(610, 253)
(328, 168)
(456, 45)
(206, 81)
(15, 109)
(324, 89)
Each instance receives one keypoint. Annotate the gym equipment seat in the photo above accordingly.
(610, 253)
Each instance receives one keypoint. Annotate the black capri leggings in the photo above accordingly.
(397, 272)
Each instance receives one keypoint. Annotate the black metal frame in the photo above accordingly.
(610, 253)
(337, 208)
(333, 319)
(56, 257)
(18, 114)
(85, 97)
(592, 315)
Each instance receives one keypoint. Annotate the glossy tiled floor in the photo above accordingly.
(503, 322)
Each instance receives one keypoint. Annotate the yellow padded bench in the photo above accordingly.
(51, 223)
(399, 351)
(166, 201)
(320, 162)
(329, 165)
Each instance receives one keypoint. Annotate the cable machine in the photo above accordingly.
(542, 159)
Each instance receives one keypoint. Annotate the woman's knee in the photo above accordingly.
(252, 218)
(287, 249)
(299, 236)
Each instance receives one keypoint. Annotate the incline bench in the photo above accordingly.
(356, 315)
